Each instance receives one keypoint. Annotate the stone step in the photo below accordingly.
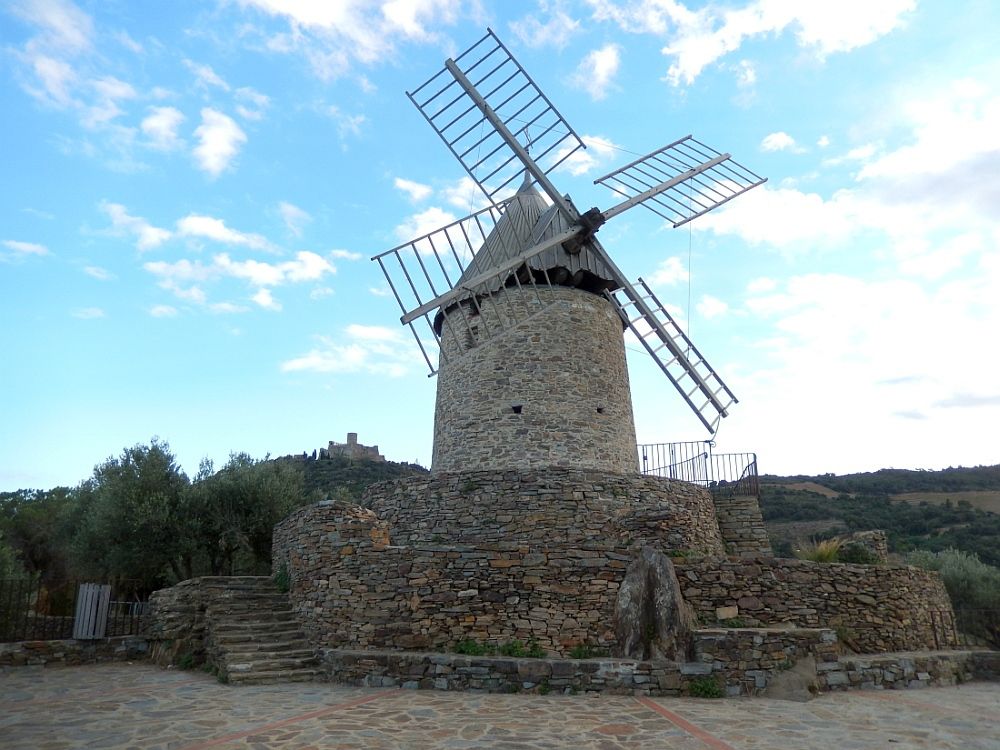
(239, 627)
(256, 664)
(292, 635)
(270, 678)
(242, 610)
(303, 652)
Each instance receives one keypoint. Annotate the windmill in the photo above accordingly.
(520, 304)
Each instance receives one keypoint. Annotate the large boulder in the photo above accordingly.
(652, 620)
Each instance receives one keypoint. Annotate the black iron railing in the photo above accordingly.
(36, 610)
(722, 473)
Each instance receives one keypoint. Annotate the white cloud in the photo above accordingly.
(61, 24)
(101, 274)
(347, 124)
(464, 194)
(555, 31)
(22, 249)
(599, 150)
(746, 74)
(219, 140)
(321, 292)
(345, 255)
(226, 308)
(370, 349)
(160, 128)
(146, 235)
(779, 141)
(162, 311)
(265, 299)
(823, 141)
(88, 313)
(210, 228)
(334, 37)
(251, 103)
(670, 272)
(697, 38)
(205, 76)
(761, 285)
(597, 70)
(414, 190)
(173, 276)
(294, 217)
(423, 223)
(711, 307)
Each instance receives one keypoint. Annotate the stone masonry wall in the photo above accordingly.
(875, 608)
(742, 525)
(546, 507)
(553, 391)
(71, 652)
(350, 592)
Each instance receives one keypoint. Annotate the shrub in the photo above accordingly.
(821, 552)
(586, 651)
(519, 650)
(973, 587)
(856, 553)
(470, 647)
(706, 687)
(282, 579)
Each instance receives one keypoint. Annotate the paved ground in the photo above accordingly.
(142, 707)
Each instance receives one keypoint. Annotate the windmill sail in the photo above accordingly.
(696, 381)
(489, 112)
(680, 181)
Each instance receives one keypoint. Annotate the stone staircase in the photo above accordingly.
(252, 636)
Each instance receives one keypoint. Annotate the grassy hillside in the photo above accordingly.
(338, 475)
(930, 510)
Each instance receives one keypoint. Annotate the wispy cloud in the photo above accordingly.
(147, 236)
(416, 191)
(205, 76)
(549, 26)
(101, 274)
(88, 313)
(294, 217)
(372, 349)
(251, 104)
(596, 72)
(161, 127)
(22, 249)
(163, 311)
(211, 228)
(780, 141)
(219, 141)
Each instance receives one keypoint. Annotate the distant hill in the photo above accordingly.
(955, 507)
(339, 474)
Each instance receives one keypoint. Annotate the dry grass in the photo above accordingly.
(819, 489)
(821, 552)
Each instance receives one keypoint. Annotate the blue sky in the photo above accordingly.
(191, 193)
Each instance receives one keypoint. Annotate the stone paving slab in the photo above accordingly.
(140, 707)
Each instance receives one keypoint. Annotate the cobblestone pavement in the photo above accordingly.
(139, 706)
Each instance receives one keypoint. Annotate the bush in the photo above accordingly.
(706, 687)
(974, 589)
(282, 579)
(856, 553)
(470, 647)
(586, 651)
(519, 650)
(822, 552)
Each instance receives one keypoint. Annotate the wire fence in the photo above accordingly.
(978, 627)
(35, 610)
(722, 473)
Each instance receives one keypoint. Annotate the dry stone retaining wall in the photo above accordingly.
(877, 608)
(556, 506)
(742, 525)
(71, 652)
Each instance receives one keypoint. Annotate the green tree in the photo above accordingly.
(133, 518)
(237, 508)
(973, 587)
(10, 566)
(35, 524)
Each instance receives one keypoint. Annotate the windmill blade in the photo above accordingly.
(479, 105)
(700, 386)
(680, 181)
(448, 282)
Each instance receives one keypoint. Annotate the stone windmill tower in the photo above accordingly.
(523, 305)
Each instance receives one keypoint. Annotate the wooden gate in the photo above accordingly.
(91, 619)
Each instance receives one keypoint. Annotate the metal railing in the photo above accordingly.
(35, 610)
(723, 473)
